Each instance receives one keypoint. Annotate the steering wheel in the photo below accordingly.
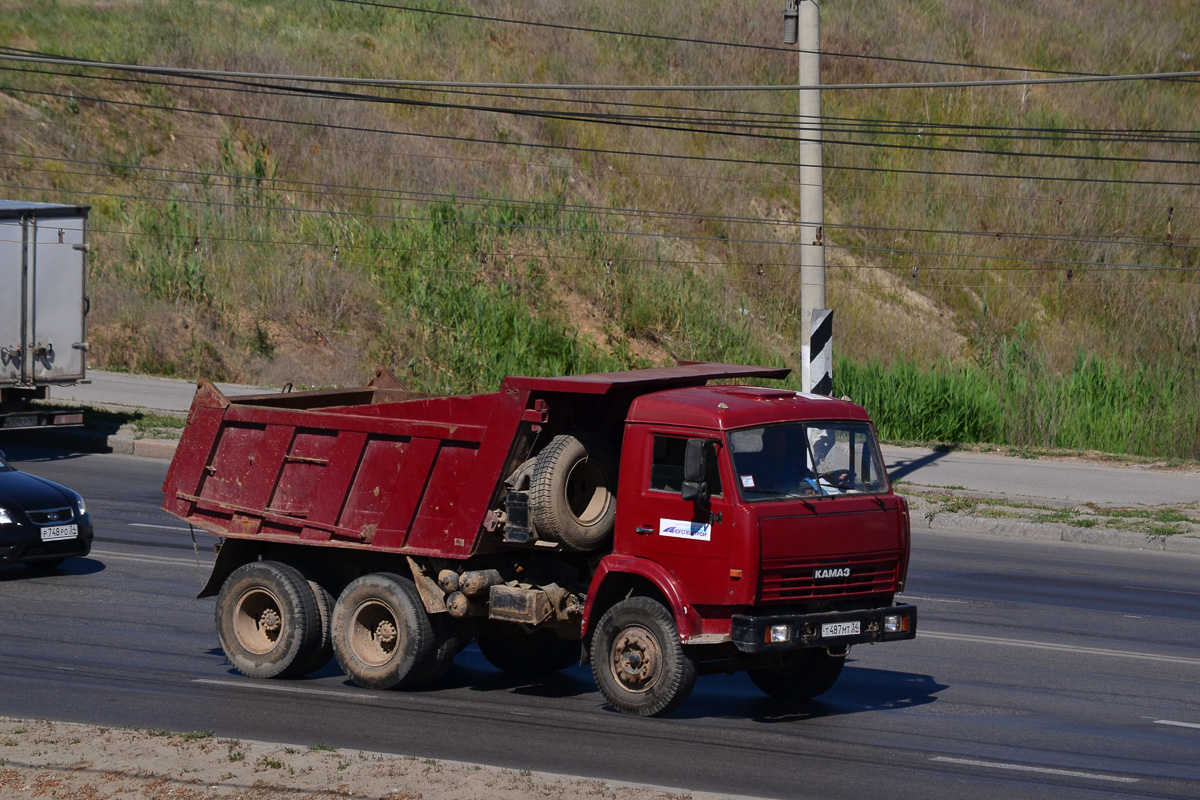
(839, 477)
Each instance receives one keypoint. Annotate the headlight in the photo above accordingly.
(82, 505)
(777, 634)
(5, 517)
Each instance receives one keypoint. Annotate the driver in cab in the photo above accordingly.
(783, 470)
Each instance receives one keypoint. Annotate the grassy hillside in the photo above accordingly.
(1031, 246)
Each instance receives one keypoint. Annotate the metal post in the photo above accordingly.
(812, 210)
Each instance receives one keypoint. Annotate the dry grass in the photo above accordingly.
(261, 298)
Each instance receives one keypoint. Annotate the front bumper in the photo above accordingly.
(751, 633)
(22, 543)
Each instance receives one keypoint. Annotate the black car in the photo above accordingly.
(42, 523)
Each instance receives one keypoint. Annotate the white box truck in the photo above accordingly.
(43, 309)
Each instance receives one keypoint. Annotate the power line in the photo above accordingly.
(609, 232)
(744, 128)
(378, 193)
(756, 118)
(1060, 201)
(717, 159)
(403, 83)
(488, 261)
(686, 40)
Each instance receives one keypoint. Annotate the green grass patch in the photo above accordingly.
(1022, 405)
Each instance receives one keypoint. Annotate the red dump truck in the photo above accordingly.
(644, 522)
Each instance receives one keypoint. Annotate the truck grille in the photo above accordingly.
(786, 580)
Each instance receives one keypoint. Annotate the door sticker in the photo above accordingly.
(685, 529)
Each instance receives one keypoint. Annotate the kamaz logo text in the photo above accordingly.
(836, 572)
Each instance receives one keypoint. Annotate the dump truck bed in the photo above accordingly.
(378, 467)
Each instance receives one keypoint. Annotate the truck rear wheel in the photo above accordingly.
(447, 641)
(637, 659)
(381, 633)
(268, 620)
(572, 494)
(322, 647)
(803, 675)
(510, 649)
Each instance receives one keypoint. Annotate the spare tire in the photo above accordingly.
(573, 492)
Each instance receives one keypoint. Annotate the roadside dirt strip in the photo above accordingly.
(64, 760)
(1172, 529)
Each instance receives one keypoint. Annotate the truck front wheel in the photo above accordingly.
(268, 620)
(381, 633)
(637, 659)
(803, 675)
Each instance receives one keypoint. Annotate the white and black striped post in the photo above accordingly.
(820, 354)
(802, 23)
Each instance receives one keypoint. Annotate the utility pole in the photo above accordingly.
(802, 21)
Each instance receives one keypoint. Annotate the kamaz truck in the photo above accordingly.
(645, 522)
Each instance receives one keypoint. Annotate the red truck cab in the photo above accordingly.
(790, 544)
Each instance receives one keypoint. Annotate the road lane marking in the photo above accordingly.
(934, 599)
(1067, 773)
(159, 527)
(268, 687)
(1177, 724)
(143, 559)
(1064, 648)
(1153, 589)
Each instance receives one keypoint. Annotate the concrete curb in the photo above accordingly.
(1052, 532)
(143, 448)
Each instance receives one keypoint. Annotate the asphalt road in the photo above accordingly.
(1041, 670)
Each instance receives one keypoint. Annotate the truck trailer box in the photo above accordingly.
(43, 308)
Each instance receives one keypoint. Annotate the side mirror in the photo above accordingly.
(694, 487)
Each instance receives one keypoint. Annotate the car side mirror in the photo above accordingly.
(694, 487)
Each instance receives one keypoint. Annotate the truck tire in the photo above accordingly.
(381, 633)
(322, 648)
(637, 659)
(511, 649)
(804, 675)
(447, 642)
(267, 620)
(573, 492)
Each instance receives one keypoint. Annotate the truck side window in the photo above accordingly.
(666, 468)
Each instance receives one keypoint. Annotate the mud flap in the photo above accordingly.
(231, 554)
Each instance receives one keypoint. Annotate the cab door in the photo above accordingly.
(692, 540)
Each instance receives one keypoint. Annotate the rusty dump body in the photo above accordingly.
(381, 468)
(646, 522)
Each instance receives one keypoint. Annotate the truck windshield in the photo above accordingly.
(810, 459)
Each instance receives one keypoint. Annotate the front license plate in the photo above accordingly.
(831, 629)
(56, 532)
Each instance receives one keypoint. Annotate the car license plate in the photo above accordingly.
(23, 421)
(831, 629)
(53, 533)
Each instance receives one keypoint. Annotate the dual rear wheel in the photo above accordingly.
(273, 622)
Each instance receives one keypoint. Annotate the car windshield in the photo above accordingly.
(807, 459)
